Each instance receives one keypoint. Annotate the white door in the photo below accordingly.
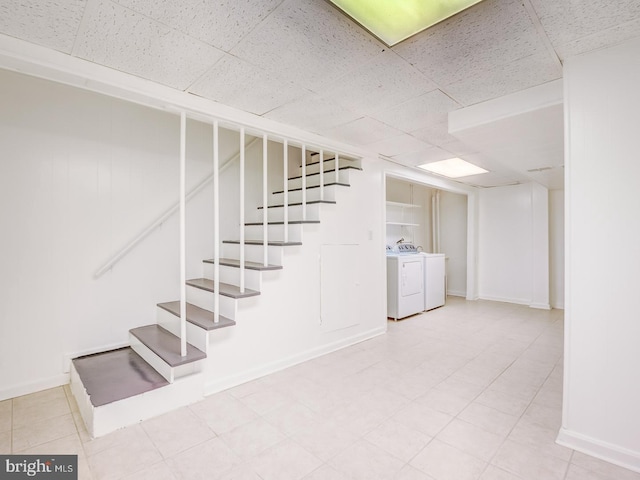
(412, 277)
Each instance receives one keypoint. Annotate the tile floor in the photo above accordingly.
(470, 391)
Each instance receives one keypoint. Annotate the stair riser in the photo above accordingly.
(312, 194)
(231, 275)
(196, 336)
(159, 365)
(276, 214)
(204, 299)
(328, 177)
(275, 232)
(253, 253)
(328, 165)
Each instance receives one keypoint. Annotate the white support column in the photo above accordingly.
(216, 224)
(321, 174)
(265, 215)
(337, 165)
(242, 210)
(285, 161)
(183, 255)
(304, 182)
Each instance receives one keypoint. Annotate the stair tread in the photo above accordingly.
(166, 345)
(198, 316)
(226, 289)
(290, 222)
(346, 167)
(115, 375)
(299, 189)
(275, 243)
(233, 262)
(330, 202)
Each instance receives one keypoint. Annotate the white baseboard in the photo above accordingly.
(457, 293)
(540, 306)
(518, 301)
(36, 386)
(596, 448)
(225, 383)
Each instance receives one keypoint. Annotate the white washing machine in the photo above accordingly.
(405, 281)
(434, 280)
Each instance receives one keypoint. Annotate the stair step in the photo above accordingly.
(313, 186)
(330, 202)
(198, 316)
(346, 167)
(232, 262)
(292, 222)
(115, 375)
(166, 345)
(225, 289)
(273, 243)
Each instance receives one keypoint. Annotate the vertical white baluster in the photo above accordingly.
(321, 174)
(242, 210)
(285, 160)
(337, 165)
(304, 182)
(183, 256)
(216, 224)
(265, 215)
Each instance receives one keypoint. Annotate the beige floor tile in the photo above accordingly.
(443, 401)
(540, 437)
(546, 416)
(529, 463)
(326, 472)
(266, 400)
(364, 461)
(605, 469)
(503, 402)
(69, 445)
(292, 418)
(203, 461)
(5, 415)
(177, 431)
(285, 461)
(422, 418)
(5, 443)
(410, 473)
(325, 439)
(223, 412)
(488, 418)
(398, 439)
(241, 472)
(471, 439)
(159, 471)
(444, 462)
(252, 438)
(123, 436)
(125, 458)
(494, 473)
(39, 406)
(37, 433)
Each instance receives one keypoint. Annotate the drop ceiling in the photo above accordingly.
(303, 63)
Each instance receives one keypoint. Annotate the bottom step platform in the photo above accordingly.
(118, 388)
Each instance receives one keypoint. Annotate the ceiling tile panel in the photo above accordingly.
(363, 131)
(433, 154)
(504, 79)
(309, 41)
(419, 112)
(489, 33)
(221, 23)
(436, 134)
(399, 145)
(119, 38)
(239, 84)
(603, 38)
(385, 81)
(52, 23)
(568, 20)
(313, 112)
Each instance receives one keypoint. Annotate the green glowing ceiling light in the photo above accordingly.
(393, 21)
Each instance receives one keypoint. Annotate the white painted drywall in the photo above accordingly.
(540, 247)
(602, 354)
(453, 240)
(556, 248)
(400, 191)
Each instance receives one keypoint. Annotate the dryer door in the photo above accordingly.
(412, 276)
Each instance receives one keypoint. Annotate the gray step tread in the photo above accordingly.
(198, 316)
(341, 184)
(166, 345)
(346, 167)
(226, 289)
(291, 222)
(274, 243)
(233, 262)
(329, 202)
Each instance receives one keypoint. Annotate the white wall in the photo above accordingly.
(513, 245)
(556, 248)
(415, 194)
(602, 354)
(453, 240)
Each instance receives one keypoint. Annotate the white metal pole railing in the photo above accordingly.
(321, 174)
(304, 182)
(285, 162)
(216, 224)
(242, 210)
(337, 165)
(265, 214)
(183, 256)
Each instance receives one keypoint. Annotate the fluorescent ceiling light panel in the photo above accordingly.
(393, 21)
(453, 168)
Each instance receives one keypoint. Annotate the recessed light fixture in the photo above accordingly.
(393, 21)
(453, 168)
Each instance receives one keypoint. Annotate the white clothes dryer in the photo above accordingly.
(405, 281)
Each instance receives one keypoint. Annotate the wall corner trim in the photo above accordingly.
(596, 448)
(540, 306)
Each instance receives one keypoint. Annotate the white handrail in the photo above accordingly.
(164, 217)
